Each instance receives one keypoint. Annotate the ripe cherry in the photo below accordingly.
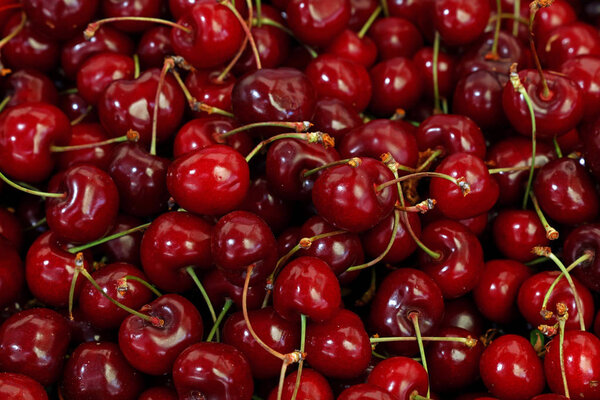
(585, 238)
(453, 133)
(99, 71)
(12, 274)
(312, 386)
(396, 84)
(365, 391)
(21, 386)
(316, 23)
(516, 232)
(29, 86)
(400, 377)
(335, 117)
(395, 37)
(376, 239)
(81, 134)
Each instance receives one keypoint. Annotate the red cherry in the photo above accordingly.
(264, 202)
(584, 238)
(462, 313)
(584, 70)
(547, 18)
(20, 386)
(590, 137)
(60, 19)
(312, 386)
(400, 377)
(460, 21)
(316, 23)
(10, 228)
(99, 71)
(75, 108)
(395, 37)
(360, 11)
(86, 133)
(158, 393)
(29, 86)
(365, 391)
(349, 45)
(376, 239)
(12, 274)
(219, 288)
(517, 232)
(209, 88)
(453, 133)
(568, 41)
(396, 84)
(133, 8)
(423, 60)
(125, 248)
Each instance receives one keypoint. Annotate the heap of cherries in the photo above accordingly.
(299, 199)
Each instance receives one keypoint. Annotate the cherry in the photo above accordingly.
(27, 132)
(203, 132)
(75, 108)
(566, 192)
(400, 377)
(402, 292)
(546, 19)
(568, 41)
(584, 238)
(82, 134)
(590, 137)
(154, 46)
(497, 289)
(501, 366)
(458, 269)
(462, 313)
(396, 84)
(85, 374)
(316, 23)
(376, 240)
(339, 347)
(533, 290)
(60, 19)
(584, 71)
(101, 69)
(453, 133)
(34, 343)
(460, 21)
(125, 248)
(12, 275)
(10, 228)
(366, 391)
(30, 86)
(210, 88)
(158, 393)
(350, 45)
(131, 8)
(82, 331)
(516, 232)
(580, 354)
(549, 396)
(360, 11)
(423, 60)
(312, 386)
(20, 386)
(173, 242)
(218, 288)
(215, 35)
(264, 202)
(180, 7)
(395, 37)
(210, 181)
(153, 349)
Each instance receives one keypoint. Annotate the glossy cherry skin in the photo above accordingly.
(460, 21)
(288, 159)
(219, 288)
(585, 238)
(241, 239)
(141, 179)
(458, 269)
(450, 199)
(133, 8)
(74, 107)
(213, 371)
(381, 136)
(152, 349)
(497, 289)
(34, 343)
(453, 133)
(89, 208)
(365, 391)
(584, 70)
(354, 48)
(546, 18)
(26, 133)
(49, 271)
(533, 290)
(18, 386)
(502, 365)
(338, 348)
(10, 228)
(129, 104)
(215, 37)
(279, 334)
(316, 23)
(60, 19)
(582, 368)
(85, 133)
(211, 181)
(206, 131)
(462, 313)
(400, 377)
(207, 87)
(86, 374)
(396, 84)
(395, 37)
(99, 71)
(423, 60)
(12, 274)
(402, 292)
(264, 202)
(282, 94)
(376, 239)
(566, 42)
(30, 86)
(174, 241)
(125, 248)
(312, 386)
(158, 393)
(566, 192)
(517, 232)
(345, 196)
(590, 138)
(154, 46)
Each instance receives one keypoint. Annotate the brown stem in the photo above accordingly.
(93, 27)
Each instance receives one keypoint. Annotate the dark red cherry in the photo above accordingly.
(89, 208)
(29, 86)
(360, 11)
(26, 133)
(450, 198)
(365, 391)
(212, 371)
(453, 133)
(34, 343)
(566, 192)
(219, 288)
(211, 181)
(216, 35)
(312, 386)
(547, 18)
(21, 387)
(206, 131)
(76, 108)
(316, 23)
(400, 377)
(462, 313)
(584, 70)
(86, 374)
(282, 94)
(581, 363)
(335, 117)
(590, 137)
(180, 7)
(277, 333)
(502, 368)
(173, 242)
(354, 48)
(99, 71)
(566, 42)
(10, 228)
(154, 46)
(131, 8)
(12, 273)
(517, 232)
(402, 292)
(346, 196)
(125, 248)
(60, 19)
(460, 21)
(153, 349)
(496, 292)
(549, 396)
(396, 84)
(264, 202)
(395, 37)
(339, 347)
(86, 133)
(458, 269)
(158, 393)
(585, 238)
(423, 60)
(207, 87)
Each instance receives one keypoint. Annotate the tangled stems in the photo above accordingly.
(310, 137)
(193, 103)
(460, 182)
(214, 329)
(246, 28)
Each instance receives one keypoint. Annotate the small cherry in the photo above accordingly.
(395, 37)
(460, 21)
(316, 23)
(516, 232)
(29, 86)
(313, 386)
(354, 47)
(81, 149)
(154, 46)
(584, 239)
(453, 133)
(21, 387)
(396, 84)
(400, 377)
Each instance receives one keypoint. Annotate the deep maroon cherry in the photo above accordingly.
(349, 45)
(10, 228)
(453, 133)
(395, 37)
(99, 71)
(264, 202)
(366, 391)
(76, 108)
(312, 386)
(86, 133)
(158, 393)
(12, 274)
(209, 88)
(566, 42)
(396, 84)
(590, 138)
(203, 132)
(131, 8)
(218, 288)
(585, 238)
(423, 60)
(60, 19)
(316, 23)
(376, 239)
(20, 386)
(400, 377)
(462, 313)
(30, 86)
(154, 46)
(460, 21)
(125, 248)
(584, 71)
(517, 232)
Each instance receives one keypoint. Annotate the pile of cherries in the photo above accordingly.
(299, 199)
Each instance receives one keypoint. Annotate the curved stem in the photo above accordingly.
(414, 317)
(301, 362)
(36, 225)
(15, 31)
(311, 137)
(93, 27)
(136, 66)
(365, 28)
(192, 273)
(194, 104)
(167, 65)
(125, 138)
(4, 102)
(214, 329)
(117, 235)
(551, 233)
(493, 54)
(353, 162)
(296, 126)
(246, 29)
(81, 117)
(150, 287)
(31, 191)
(436, 90)
(461, 183)
(546, 92)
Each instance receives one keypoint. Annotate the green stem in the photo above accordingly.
(61, 149)
(301, 362)
(493, 55)
(273, 23)
(192, 273)
(72, 292)
(539, 260)
(36, 225)
(465, 341)
(546, 92)
(4, 102)
(492, 171)
(309, 137)
(387, 249)
(77, 249)
(259, 12)
(551, 233)
(414, 317)
(557, 147)
(31, 191)
(82, 116)
(296, 126)
(421, 175)
(436, 90)
(353, 162)
(561, 340)
(517, 16)
(194, 104)
(143, 282)
(15, 30)
(365, 28)
(226, 307)
(384, 6)
(246, 29)
(136, 66)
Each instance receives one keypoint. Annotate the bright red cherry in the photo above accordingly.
(315, 22)
(354, 48)
(313, 386)
(423, 60)
(396, 84)
(99, 71)
(18, 386)
(60, 19)
(29, 86)
(154, 46)
(584, 70)
(208, 87)
(376, 239)
(365, 391)
(86, 133)
(460, 21)
(395, 37)
(400, 377)
(517, 232)
(133, 8)
(453, 133)
(566, 42)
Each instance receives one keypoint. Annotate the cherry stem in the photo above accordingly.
(519, 19)
(4, 102)
(416, 396)
(155, 321)
(384, 6)
(284, 366)
(539, 260)
(353, 162)
(93, 27)
(214, 329)
(72, 291)
(167, 65)
(259, 12)
(422, 207)
(557, 147)
(131, 136)
(273, 23)
(546, 92)
(136, 66)
(562, 319)
(493, 54)
(77, 249)
(241, 50)
(551, 233)
(150, 287)
(437, 109)
(192, 273)
(301, 362)
(365, 28)
(15, 31)
(461, 183)
(516, 16)
(468, 341)
(196, 105)
(310, 137)
(370, 292)
(435, 154)
(246, 28)
(36, 225)
(414, 317)
(510, 169)
(80, 118)
(296, 126)
(31, 191)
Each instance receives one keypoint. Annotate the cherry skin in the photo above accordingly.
(501, 366)
(210, 181)
(395, 37)
(423, 60)
(207, 87)
(215, 37)
(396, 84)
(26, 133)
(12, 274)
(75, 108)
(174, 241)
(153, 350)
(34, 343)
(264, 202)
(212, 371)
(158, 393)
(360, 11)
(497, 289)
(98, 71)
(125, 248)
(590, 137)
(376, 239)
(566, 42)
(580, 240)
(10, 228)
(460, 21)
(584, 71)
(354, 48)
(366, 391)
(30, 86)
(400, 377)
(219, 288)
(516, 232)
(458, 269)
(533, 290)
(21, 387)
(86, 133)
(462, 313)
(316, 23)
(339, 347)
(453, 133)
(402, 292)
(133, 8)
(279, 334)
(154, 46)
(180, 7)
(580, 354)
(85, 374)
(312, 386)
(547, 18)
(60, 19)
